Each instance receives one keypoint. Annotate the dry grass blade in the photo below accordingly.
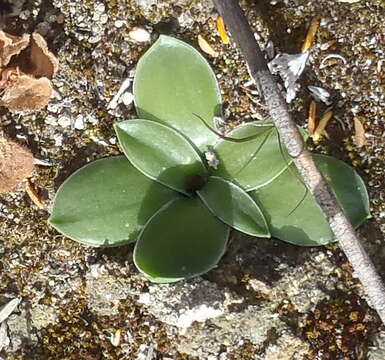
(8, 308)
(311, 125)
(33, 195)
(319, 131)
(222, 30)
(311, 34)
(224, 137)
(206, 47)
(359, 133)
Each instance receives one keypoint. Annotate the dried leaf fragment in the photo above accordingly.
(16, 164)
(115, 100)
(8, 308)
(311, 118)
(115, 338)
(320, 130)
(222, 30)
(206, 47)
(320, 94)
(25, 86)
(359, 133)
(27, 93)
(212, 160)
(33, 195)
(324, 62)
(4, 339)
(311, 34)
(41, 62)
(290, 67)
(11, 45)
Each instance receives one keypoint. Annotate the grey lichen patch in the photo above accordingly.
(104, 292)
(183, 303)
(42, 316)
(287, 347)
(256, 325)
(377, 350)
(298, 285)
(20, 332)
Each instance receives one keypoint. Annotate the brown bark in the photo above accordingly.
(241, 32)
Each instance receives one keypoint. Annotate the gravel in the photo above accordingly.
(266, 299)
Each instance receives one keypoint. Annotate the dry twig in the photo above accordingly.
(363, 267)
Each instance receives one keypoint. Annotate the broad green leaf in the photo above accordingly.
(107, 203)
(252, 163)
(304, 223)
(348, 187)
(173, 81)
(234, 206)
(161, 153)
(182, 240)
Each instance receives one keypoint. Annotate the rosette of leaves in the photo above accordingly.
(164, 196)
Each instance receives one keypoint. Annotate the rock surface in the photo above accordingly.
(183, 303)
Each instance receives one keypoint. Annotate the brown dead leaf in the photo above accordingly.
(8, 75)
(26, 93)
(16, 164)
(359, 133)
(222, 30)
(311, 125)
(319, 131)
(11, 45)
(206, 47)
(42, 63)
(25, 86)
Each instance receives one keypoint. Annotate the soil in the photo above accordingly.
(311, 305)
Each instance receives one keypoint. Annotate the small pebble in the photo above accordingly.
(79, 122)
(64, 121)
(119, 23)
(139, 34)
(127, 98)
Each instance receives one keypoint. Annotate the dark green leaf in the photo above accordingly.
(182, 240)
(253, 163)
(161, 153)
(106, 203)
(234, 206)
(172, 82)
(303, 223)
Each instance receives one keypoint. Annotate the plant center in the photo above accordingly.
(195, 183)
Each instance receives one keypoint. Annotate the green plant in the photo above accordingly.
(166, 196)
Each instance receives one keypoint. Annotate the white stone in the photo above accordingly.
(119, 23)
(79, 122)
(64, 121)
(139, 34)
(127, 98)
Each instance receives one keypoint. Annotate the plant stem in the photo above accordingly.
(363, 267)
